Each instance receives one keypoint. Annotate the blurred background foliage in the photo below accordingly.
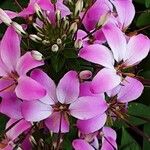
(139, 111)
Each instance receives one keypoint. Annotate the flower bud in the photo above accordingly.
(58, 17)
(73, 28)
(66, 24)
(19, 28)
(37, 55)
(45, 42)
(78, 44)
(78, 7)
(5, 18)
(35, 38)
(59, 41)
(103, 20)
(55, 48)
(38, 11)
(85, 75)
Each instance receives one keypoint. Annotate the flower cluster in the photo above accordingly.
(45, 96)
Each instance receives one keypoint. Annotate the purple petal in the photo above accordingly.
(130, 90)
(98, 54)
(18, 129)
(105, 80)
(87, 107)
(53, 122)
(11, 106)
(125, 11)
(29, 89)
(116, 41)
(48, 83)
(35, 110)
(10, 48)
(92, 125)
(135, 50)
(80, 144)
(68, 88)
(26, 63)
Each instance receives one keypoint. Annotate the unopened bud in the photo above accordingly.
(55, 48)
(78, 7)
(32, 140)
(103, 20)
(5, 18)
(78, 44)
(38, 11)
(59, 41)
(73, 28)
(85, 75)
(37, 55)
(45, 42)
(66, 24)
(35, 38)
(58, 17)
(19, 28)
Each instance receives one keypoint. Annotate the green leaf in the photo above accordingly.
(143, 20)
(146, 144)
(128, 142)
(147, 3)
(140, 1)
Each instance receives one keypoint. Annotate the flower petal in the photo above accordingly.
(35, 110)
(135, 50)
(53, 122)
(26, 63)
(130, 90)
(10, 48)
(116, 41)
(87, 107)
(92, 125)
(80, 144)
(29, 89)
(48, 83)
(98, 54)
(105, 80)
(68, 88)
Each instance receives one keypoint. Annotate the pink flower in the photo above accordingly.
(13, 69)
(61, 102)
(125, 53)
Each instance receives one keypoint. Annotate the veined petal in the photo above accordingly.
(105, 80)
(130, 90)
(68, 88)
(10, 48)
(87, 107)
(29, 89)
(53, 122)
(137, 49)
(48, 83)
(35, 110)
(80, 144)
(26, 63)
(92, 125)
(125, 11)
(98, 54)
(116, 40)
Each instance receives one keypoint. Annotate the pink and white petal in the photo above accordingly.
(137, 49)
(26, 63)
(27, 11)
(48, 83)
(116, 40)
(68, 88)
(17, 129)
(80, 144)
(85, 90)
(87, 107)
(109, 132)
(92, 125)
(11, 106)
(10, 48)
(7, 85)
(29, 89)
(3, 69)
(53, 122)
(114, 91)
(98, 54)
(125, 11)
(130, 90)
(105, 80)
(35, 110)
